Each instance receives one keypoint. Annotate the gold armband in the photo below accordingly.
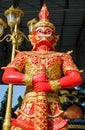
(27, 80)
(55, 85)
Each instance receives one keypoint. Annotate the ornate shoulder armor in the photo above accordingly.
(68, 63)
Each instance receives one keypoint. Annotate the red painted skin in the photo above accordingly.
(43, 39)
(12, 75)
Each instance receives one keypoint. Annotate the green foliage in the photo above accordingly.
(74, 95)
(19, 101)
(4, 103)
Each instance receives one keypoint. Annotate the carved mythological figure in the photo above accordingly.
(45, 72)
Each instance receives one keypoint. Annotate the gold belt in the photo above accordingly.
(49, 96)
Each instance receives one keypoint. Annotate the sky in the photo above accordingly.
(18, 90)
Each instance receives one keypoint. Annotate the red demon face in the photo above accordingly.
(43, 36)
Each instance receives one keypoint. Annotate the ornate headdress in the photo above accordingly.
(35, 39)
(44, 18)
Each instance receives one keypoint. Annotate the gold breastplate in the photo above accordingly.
(51, 66)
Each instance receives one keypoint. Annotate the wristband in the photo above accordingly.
(55, 85)
(27, 80)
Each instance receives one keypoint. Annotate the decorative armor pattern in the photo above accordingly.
(33, 62)
(34, 108)
(40, 110)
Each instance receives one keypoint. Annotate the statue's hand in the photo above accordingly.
(42, 86)
(39, 77)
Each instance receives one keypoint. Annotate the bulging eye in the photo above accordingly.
(48, 31)
(39, 30)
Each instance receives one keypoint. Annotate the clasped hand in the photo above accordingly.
(41, 83)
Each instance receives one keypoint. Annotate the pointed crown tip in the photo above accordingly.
(44, 13)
